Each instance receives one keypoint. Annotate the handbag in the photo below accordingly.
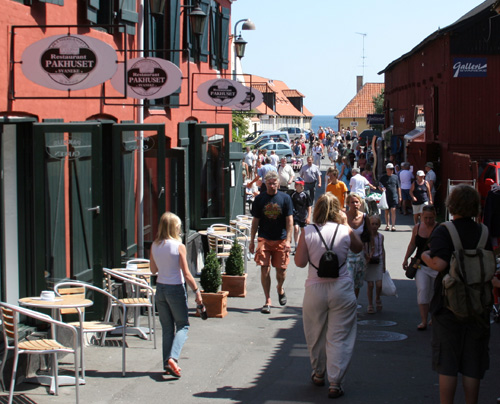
(388, 286)
(412, 269)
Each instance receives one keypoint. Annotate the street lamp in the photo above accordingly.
(239, 43)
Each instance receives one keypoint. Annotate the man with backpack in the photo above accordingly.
(461, 252)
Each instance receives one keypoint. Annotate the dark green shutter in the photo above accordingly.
(129, 146)
(58, 2)
(205, 6)
(174, 42)
(129, 16)
(226, 15)
(92, 10)
(214, 35)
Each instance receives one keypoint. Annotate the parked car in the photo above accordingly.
(266, 137)
(282, 150)
(489, 176)
(293, 132)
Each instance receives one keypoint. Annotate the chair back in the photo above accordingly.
(71, 291)
(9, 324)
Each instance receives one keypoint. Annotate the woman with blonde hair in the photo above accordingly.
(329, 306)
(168, 260)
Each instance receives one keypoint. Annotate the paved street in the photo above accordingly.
(248, 357)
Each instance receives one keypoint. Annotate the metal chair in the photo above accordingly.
(137, 286)
(10, 319)
(96, 326)
(227, 243)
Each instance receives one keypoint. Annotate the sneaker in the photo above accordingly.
(282, 298)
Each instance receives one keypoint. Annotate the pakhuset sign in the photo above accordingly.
(69, 62)
(148, 78)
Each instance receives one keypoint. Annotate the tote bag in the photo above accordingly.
(388, 287)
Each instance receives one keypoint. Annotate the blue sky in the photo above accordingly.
(314, 46)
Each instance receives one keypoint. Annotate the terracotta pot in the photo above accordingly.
(235, 285)
(216, 304)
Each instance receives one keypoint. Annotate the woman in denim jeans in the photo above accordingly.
(168, 260)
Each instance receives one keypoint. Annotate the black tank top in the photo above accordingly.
(420, 192)
(421, 242)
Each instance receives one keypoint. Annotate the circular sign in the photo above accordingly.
(69, 62)
(252, 100)
(148, 78)
(222, 92)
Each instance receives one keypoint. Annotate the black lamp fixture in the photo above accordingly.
(239, 46)
(197, 18)
(156, 7)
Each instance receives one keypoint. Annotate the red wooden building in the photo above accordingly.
(441, 100)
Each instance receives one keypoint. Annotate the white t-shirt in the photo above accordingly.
(249, 160)
(285, 174)
(358, 183)
(406, 178)
(431, 176)
(274, 160)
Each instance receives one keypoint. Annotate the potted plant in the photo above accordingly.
(235, 279)
(210, 280)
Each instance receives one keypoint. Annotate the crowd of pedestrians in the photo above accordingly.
(342, 218)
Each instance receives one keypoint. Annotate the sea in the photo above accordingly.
(324, 121)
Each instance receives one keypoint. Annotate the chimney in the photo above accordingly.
(359, 83)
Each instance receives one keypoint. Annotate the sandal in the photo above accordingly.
(421, 327)
(379, 305)
(387, 228)
(370, 309)
(318, 380)
(393, 228)
(266, 309)
(335, 391)
(172, 368)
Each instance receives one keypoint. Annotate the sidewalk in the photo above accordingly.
(248, 357)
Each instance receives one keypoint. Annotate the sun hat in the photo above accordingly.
(430, 165)
(390, 165)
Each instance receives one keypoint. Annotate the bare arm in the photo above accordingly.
(435, 263)
(411, 247)
(289, 229)
(253, 232)
(301, 254)
(187, 274)
(383, 252)
(412, 188)
(356, 243)
(429, 192)
(152, 264)
(308, 218)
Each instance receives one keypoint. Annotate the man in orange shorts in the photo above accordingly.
(272, 213)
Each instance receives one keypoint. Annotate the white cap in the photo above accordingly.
(390, 165)
(420, 173)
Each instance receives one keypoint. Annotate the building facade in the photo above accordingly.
(87, 173)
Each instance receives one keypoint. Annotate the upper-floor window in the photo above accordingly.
(109, 12)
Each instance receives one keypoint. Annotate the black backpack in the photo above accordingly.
(329, 262)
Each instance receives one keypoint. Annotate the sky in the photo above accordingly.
(316, 46)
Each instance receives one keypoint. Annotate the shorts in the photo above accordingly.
(405, 194)
(300, 223)
(272, 252)
(417, 209)
(356, 265)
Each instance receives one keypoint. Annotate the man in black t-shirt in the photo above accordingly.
(272, 216)
(301, 208)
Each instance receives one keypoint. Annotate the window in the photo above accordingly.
(103, 11)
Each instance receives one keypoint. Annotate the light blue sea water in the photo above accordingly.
(324, 121)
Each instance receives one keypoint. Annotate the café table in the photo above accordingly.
(59, 302)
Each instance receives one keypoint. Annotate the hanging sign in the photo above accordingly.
(69, 62)
(222, 92)
(252, 100)
(148, 78)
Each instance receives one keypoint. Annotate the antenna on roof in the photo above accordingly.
(363, 57)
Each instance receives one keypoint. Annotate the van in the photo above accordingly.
(270, 136)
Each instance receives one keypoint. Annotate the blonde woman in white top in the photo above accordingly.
(168, 260)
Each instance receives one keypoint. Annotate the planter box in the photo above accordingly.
(235, 285)
(216, 304)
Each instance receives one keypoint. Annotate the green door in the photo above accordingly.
(128, 204)
(68, 209)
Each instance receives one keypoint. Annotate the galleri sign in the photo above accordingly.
(69, 62)
(470, 67)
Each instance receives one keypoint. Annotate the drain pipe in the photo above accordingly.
(140, 159)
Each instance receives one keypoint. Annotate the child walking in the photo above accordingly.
(375, 257)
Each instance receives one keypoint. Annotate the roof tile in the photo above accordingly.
(362, 103)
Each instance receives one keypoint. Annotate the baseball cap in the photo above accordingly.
(429, 164)
(299, 180)
(420, 173)
(390, 165)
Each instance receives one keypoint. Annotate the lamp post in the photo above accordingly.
(239, 43)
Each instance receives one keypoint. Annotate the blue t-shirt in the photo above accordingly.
(272, 211)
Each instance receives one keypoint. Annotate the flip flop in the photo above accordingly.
(266, 309)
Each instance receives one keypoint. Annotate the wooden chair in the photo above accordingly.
(102, 327)
(136, 300)
(10, 319)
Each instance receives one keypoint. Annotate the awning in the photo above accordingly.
(386, 130)
(412, 135)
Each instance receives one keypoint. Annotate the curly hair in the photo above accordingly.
(464, 201)
(327, 209)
